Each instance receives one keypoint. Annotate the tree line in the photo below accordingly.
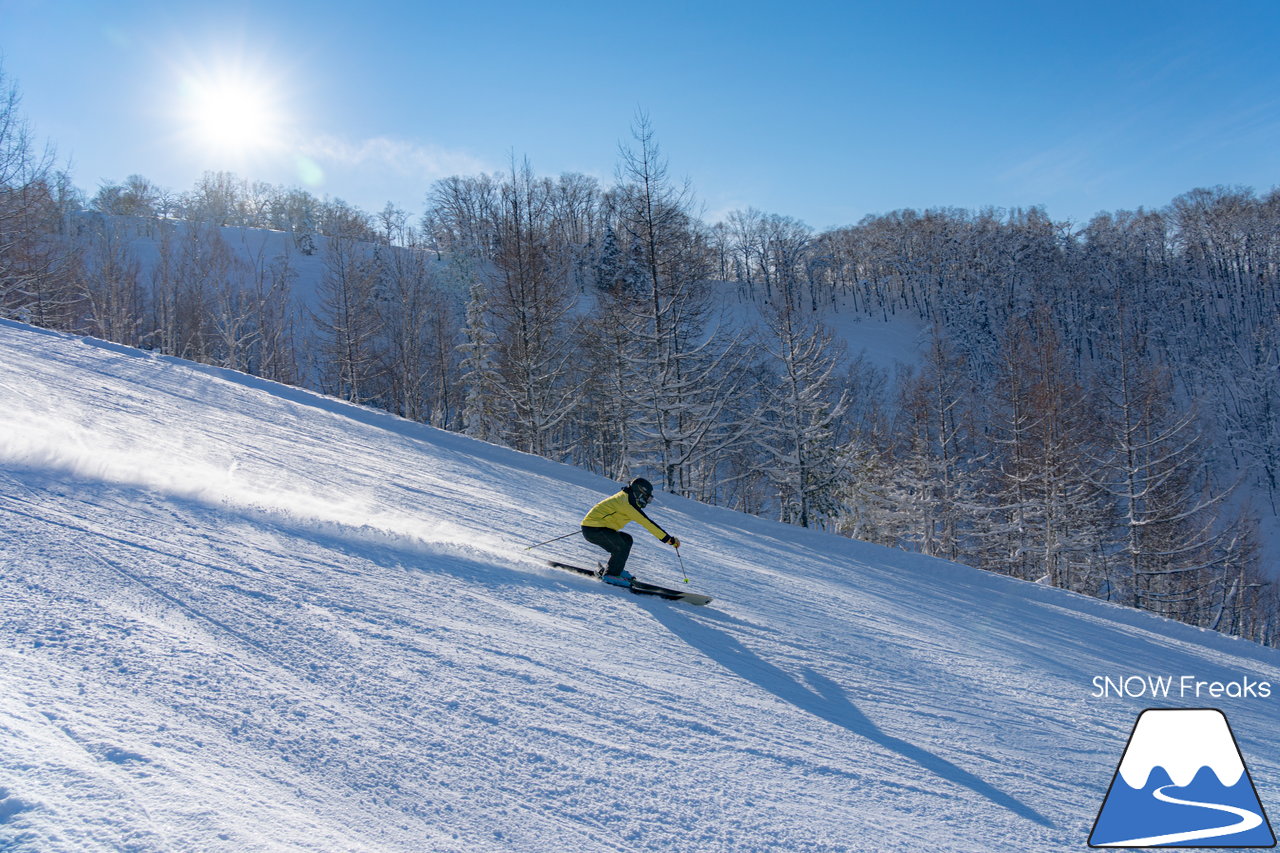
(1092, 408)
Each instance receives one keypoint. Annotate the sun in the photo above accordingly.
(231, 115)
(231, 111)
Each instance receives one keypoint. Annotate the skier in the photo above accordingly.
(603, 526)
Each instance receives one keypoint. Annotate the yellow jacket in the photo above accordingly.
(616, 512)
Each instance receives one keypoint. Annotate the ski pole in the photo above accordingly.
(683, 572)
(549, 541)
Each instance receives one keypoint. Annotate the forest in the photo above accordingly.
(1096, 406)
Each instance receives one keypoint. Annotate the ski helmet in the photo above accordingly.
(641, 491)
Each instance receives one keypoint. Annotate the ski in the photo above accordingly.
(640, 587)
(591, 573)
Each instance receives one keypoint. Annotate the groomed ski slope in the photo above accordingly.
(236, 616)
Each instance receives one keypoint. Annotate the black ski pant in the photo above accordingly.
(617, 543)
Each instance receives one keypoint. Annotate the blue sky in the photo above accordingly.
(823, 111)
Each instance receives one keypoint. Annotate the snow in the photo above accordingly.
(237, 616)
(889, 344)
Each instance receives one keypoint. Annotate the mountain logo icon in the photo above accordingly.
(1182, 782)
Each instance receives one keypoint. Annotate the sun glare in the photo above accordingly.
(231, 113)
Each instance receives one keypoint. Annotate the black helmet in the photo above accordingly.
(641, 491)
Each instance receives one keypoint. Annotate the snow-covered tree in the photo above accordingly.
(609, 266)
(532, 309)
(38, 268)
(1248, 381)
(799, 423)
(605, 420)
(935, 483)
(272, 277)
(410, 305)
(348, 321)
(688, 375)
(1170, 537)
(480, 418)
(1044, 515)
(112, 284)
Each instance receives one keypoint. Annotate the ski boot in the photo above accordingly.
(622, 578)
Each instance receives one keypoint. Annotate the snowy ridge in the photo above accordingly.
(236, 616)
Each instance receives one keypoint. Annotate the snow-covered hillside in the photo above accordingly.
(236, 616)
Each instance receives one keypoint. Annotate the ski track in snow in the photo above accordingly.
(236, 616)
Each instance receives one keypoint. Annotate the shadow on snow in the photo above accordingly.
(825, 700)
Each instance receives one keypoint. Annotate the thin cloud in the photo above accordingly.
(410, 159)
